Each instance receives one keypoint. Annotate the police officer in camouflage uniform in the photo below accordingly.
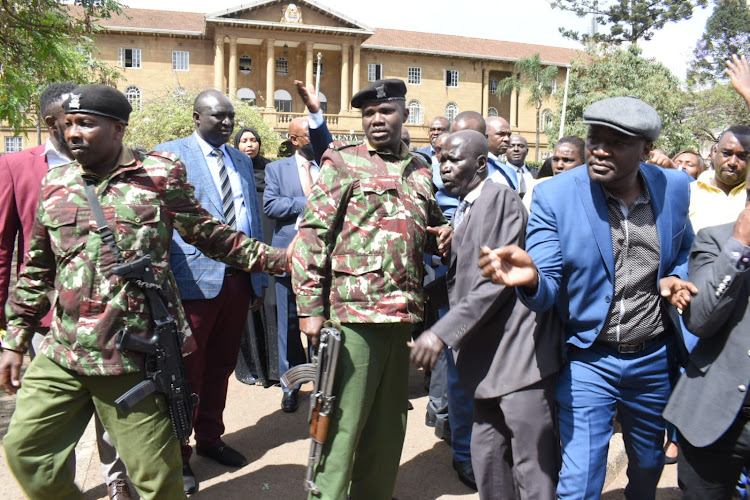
(358, 260)
(80, 370)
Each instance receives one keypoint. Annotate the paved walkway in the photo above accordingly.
(276, 444)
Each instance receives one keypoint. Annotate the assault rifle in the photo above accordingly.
(165, 369)
(322, 371)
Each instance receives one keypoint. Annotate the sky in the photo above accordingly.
(525, 21)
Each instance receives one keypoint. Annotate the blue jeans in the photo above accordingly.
(594, 384)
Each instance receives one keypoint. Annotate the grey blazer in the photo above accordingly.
(502, 345)
(711, 392)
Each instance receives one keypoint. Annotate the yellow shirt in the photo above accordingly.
(709, 206)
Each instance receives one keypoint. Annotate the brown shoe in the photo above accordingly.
(119, 490)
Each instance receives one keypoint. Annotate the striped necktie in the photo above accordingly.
(458, 217)
(227, 199)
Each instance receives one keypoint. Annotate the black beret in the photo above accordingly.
(628, 115)
(98, 100)
(392, 89)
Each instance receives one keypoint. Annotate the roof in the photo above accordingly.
(193, 23)
(463, 46)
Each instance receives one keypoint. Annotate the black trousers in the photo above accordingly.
(711, 472)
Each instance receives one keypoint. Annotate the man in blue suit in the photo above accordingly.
(288, 183)
(216, 297)
(606, 245)
(438, 126)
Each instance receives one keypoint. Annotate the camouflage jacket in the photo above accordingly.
(364, 258)
(143, 198)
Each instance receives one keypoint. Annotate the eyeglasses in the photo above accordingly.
(307, 136)
(437, 129)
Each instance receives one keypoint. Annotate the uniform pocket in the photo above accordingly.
(357, 277)
(381, 194)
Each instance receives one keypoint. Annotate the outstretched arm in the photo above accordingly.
(738, 70)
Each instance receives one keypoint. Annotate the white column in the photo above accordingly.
(233, 66)
(270, 74)
(355, 70)
(219, 63)
(344, 77)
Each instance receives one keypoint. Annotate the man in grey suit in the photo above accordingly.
(710, 405)
(508, 356)
(288, 183)
(216, 297)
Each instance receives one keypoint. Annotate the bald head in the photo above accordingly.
(213, 115)
(299, 136)
(469, 120)
(498, 135)
(464, 162)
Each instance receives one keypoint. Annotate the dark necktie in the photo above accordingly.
(227, 199)
(458, 217)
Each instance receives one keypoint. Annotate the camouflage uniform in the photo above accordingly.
(365, 260)
(143, 198)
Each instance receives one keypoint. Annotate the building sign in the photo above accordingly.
(292, 14)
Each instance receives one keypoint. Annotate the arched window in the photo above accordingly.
(246, 64)
(282, 66)
(451, 110)
(247, 95)
(416, 113)
(323, 102)
(493, 87)
(282, 101)
(492, 112)
(547, 117)
(133, 95)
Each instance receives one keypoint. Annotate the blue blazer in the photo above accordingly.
(426, 150)
(506, 170)
(283, 199)
(198, 276)
(320, 138)
(568, 237)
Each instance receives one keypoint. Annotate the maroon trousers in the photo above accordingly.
(217, 326)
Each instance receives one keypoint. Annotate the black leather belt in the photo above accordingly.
(231, 271)
(635, 347)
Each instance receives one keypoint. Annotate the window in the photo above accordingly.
(414, 75)
(451, 110)
(374, 72)
(282, 66)
(451, 78)
(416, 113)
(323, 102)
(246, 95)
(133, 94)
(282, 100)
(246, 64)
(315, 68)
(547, 117)
(181, 60)
(13, 144)
(492, 112)
(493, 87)
(129, 58)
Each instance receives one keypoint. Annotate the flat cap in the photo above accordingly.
(628, 115)
(391, 89)
(98, 100)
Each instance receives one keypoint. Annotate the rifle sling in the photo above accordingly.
(104, 231)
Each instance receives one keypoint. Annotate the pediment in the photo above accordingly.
(300, 15)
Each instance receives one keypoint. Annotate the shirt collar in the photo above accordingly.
(206, 148)
(126, 161)
(704, 182)
(644, 197)
(474, 193)
(403, 153)
(54, 157)
(301, 160)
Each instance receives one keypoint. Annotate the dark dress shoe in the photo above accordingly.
(118, 490)
(290, 402)
(465, 473)
(188, 478)
(224, 454)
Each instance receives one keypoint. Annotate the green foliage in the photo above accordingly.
(47, 41)
(715, 109)
(604, 72)
(727, 32)
(170, 117)
(535, 80)
(627, 20)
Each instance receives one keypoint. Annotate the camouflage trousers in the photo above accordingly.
(53, 408)
(366, 435)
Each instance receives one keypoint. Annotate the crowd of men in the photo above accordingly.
(554, 305)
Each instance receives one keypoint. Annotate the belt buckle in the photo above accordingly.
(631, 348)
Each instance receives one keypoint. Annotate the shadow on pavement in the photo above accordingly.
(429, 475)
(270, 482)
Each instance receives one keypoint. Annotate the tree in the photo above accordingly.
(603, 72)
(46, 41)
(170, 116)
(534, 79)
(727, 32)
(628, 20)
(715, 109)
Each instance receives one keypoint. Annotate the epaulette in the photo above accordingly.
(165, 155)
(338, 146)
